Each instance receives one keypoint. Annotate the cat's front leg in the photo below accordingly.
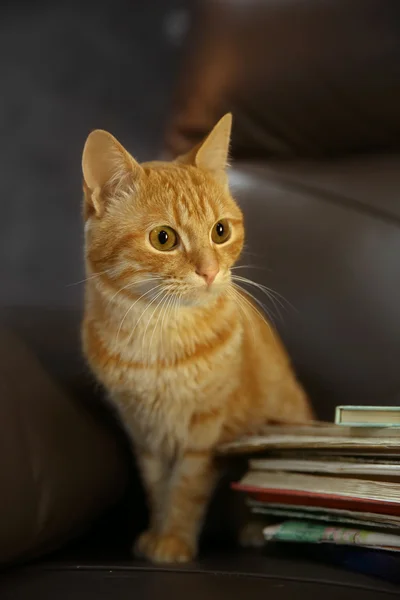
(156, 473)
(191, 485)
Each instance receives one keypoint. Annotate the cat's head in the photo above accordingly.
(161, 227)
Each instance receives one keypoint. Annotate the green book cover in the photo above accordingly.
(367, 416)
(306, 532)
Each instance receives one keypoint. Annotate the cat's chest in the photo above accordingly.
(157, 412)
(170, 386)
(160, 377)
(172, 361)
(161, 397)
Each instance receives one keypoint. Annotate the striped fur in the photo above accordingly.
(188, 365)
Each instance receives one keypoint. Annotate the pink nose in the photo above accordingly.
(208, 274)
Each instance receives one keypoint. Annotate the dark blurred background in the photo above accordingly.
(66, 68)
(314, 87)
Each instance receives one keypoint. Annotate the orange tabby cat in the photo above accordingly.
(186, 359)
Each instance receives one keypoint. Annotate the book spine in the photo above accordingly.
(305, 532)
(342, 411)
(326, 518)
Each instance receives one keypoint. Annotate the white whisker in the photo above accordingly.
(162, 303)
(264, 311)
(274, 296)
(263, 288)
(159, 293)
(247, 267)
(252, 307)
(169, 305)
(132, 284)
(239, 300)
(89, 278)
(178, 299)
(159, 305)
(131, 307)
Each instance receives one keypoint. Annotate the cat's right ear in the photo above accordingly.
(107, 169)
(212, 153)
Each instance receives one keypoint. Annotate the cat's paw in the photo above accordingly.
(164, 548)
(251, 535)
(144, 544)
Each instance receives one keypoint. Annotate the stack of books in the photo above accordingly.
(327, 483)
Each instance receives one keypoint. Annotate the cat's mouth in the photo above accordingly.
(177, 291)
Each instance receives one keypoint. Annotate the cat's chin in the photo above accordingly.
(202, 296)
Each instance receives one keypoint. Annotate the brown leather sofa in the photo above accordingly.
(314, 89)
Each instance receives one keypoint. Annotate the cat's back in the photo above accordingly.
(267, 390)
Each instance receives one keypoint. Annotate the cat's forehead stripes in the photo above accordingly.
(187, 193)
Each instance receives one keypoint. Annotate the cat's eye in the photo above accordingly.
(163, 238)
(221, 232)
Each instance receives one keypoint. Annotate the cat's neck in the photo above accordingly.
(134, 311)
(141, 333)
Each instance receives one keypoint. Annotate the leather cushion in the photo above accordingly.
(302, 77)
(60, 468)
(325, 235)
(228, 576)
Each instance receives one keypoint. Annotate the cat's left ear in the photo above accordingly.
(107, 170)
(212, 154)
